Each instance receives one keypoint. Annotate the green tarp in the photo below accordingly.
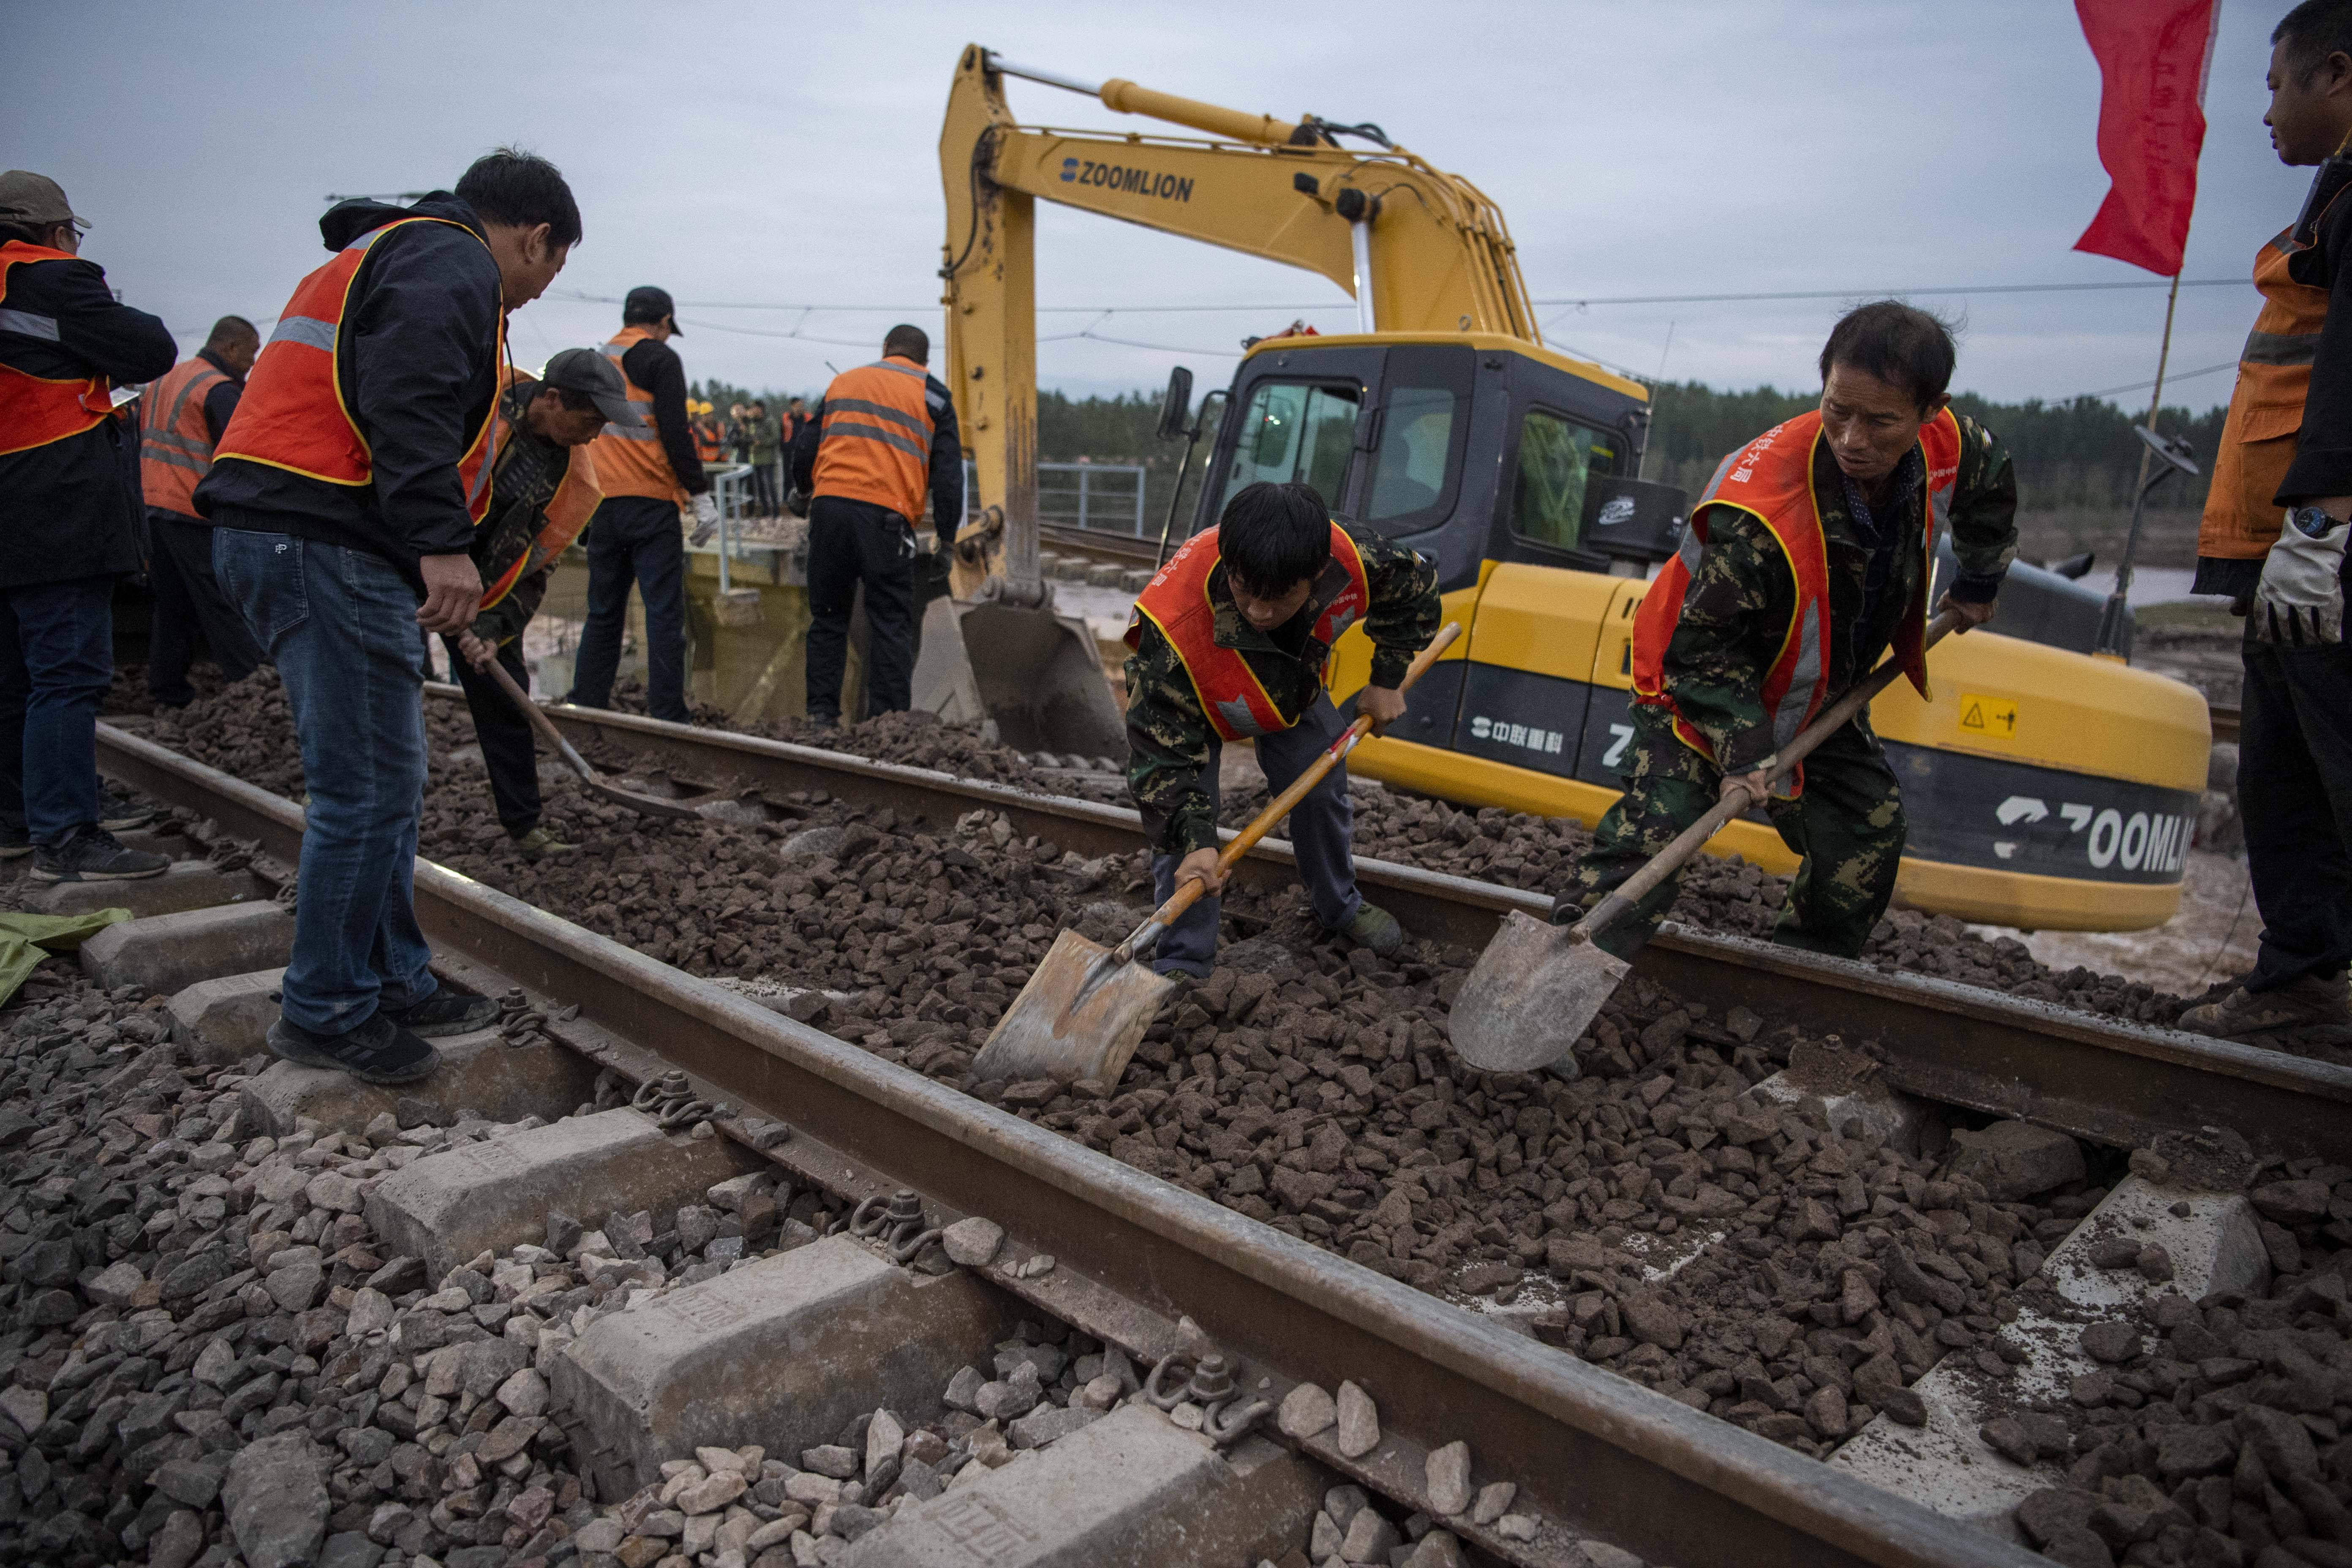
(25, 940)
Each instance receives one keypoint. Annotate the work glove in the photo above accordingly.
(2301, 600)
(705, 518)
(797, 502)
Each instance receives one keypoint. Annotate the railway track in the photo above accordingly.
(1152, 1269)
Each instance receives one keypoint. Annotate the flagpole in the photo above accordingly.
(2117, 615)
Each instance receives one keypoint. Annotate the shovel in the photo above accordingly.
(579, 765)
(1086, 1009)
(1538, 987)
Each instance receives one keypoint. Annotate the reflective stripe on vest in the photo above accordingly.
(634, 462)
(1771, 480)
(876, 444)
(1177, 601)
(175, 445)
(294, 413)
(35, 410)
(2243, 516)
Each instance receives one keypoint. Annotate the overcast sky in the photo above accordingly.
(789, 154)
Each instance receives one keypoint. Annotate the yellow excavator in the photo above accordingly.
(2046, 787)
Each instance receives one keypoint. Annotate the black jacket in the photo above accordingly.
(946, 478)
(417, 362)
(71, 509)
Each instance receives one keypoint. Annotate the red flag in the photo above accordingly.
(2153, 56)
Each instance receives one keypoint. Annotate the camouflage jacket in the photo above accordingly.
(1170, 747)
(1736, 611)
(524, 478)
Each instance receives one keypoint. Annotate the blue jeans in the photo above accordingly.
(634, 539)
(341, 626)
(56, 659)
(1321, 829)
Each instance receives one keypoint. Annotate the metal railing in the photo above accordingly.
(1105, 497)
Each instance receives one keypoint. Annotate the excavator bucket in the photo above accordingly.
(1032, 672)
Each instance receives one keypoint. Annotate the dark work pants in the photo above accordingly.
(854, 541)
(634, 539)
(1321, 829)
(189, 602)
(508, 751)
(763, 487)
(56, 659)
(2295, 795)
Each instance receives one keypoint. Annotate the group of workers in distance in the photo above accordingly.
(383, 470)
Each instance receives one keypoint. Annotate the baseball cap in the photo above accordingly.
(647, 303)
(30, 198)
(585, 370)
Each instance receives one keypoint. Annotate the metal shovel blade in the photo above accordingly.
(1038, 675)
(1531, 996)
(1060, 1029)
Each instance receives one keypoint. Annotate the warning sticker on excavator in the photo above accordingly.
(1988, 718)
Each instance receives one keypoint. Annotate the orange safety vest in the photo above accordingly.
(2243, 516)
(175, 445)
(1774, 475)
(295, 413)
(877, 441)
(1177, 601)
(632, 462)
(35, 410)
(561, 522)
(709, 444)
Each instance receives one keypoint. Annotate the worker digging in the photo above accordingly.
(1463, 1012)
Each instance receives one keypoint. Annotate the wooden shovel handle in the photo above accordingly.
(1779, 764)
(1189, 892)
(539, 721)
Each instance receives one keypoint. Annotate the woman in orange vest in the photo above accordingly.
(1231, 639)
(1808, 556)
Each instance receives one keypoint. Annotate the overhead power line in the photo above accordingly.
(2144, 385)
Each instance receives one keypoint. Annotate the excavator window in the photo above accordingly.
(1296, 432)
(1556, 456)
(1416, 439)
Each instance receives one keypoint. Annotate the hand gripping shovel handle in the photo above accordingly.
(1190, 891)
(1670, 859)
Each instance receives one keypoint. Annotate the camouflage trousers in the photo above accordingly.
(1848, 826)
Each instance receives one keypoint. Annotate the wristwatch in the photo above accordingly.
(2313, 523)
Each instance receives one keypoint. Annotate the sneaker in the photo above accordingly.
(1375, 928)
(120, 813)
(15, 841)
(2316, 1002)
(445, 1012)
(538, 843)
(378, 1051)
(91, 854)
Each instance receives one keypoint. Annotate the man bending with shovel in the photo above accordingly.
(1230, 641)
(1808, 556)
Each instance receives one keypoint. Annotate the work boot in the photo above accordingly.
(15, 841)
(378, 1051)
(91, 854)
(445, 1012)
(538, 843)
(1375, 928)
(2316, 1002)
(120, 813)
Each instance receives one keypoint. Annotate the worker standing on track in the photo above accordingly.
(344, 499)
(1230, 642)
(1808, 555)
(647, 473)
(70, 512)
(882, 438)
(181, 422)
(543, 493)
(2273, 538)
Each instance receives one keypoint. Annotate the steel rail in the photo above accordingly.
(1615, 1460)
(2097, 1077)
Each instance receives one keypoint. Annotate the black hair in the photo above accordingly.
(228, 329)
(1896, 342)
(907, 343)
(2313, 31)
(522, 189)
(29, 232)
(1273, 537)
(578, 402)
